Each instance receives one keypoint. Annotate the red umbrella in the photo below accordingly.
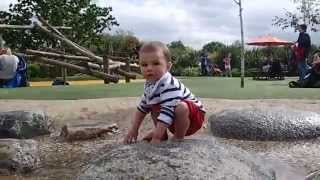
(268, 41)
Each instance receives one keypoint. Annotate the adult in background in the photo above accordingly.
(227, 65)
(204, 64)
(302, 49)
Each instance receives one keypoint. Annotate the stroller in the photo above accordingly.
(20, 78)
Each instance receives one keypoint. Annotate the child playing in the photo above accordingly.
(171, 104)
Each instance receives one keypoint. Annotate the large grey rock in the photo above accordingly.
(23, 124)
(191, 159)
(18, 156)
(268, 123)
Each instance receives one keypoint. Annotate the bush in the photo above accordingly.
(236, 72)
(191, 71)
(176, 71)
(34, 70)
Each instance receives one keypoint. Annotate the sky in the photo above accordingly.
(197, 22)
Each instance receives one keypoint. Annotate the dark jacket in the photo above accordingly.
(304, 42)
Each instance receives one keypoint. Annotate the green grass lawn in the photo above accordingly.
(205, 87)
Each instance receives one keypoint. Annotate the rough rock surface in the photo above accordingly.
(23, 124)
(268, 123)
(191, 159)
(18, 156)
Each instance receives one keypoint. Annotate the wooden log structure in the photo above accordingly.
(9, 26)
(127, 69)
(70, 44)
(56, 55)
(106, 68)
(92, 64)
(114, 67)
(80, 69)
(126, 74)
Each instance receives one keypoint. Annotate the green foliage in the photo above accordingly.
(34, 70)
(191, 71)
(119, 44)
(86, 19)
(307, 12)
(182, 57)
(213, 46)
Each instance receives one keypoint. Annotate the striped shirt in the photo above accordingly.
(167, 92)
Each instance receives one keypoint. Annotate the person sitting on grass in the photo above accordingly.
(171, 103)
(312, 78)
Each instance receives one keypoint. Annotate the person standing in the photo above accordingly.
(303, 46)
(204, 64)
(227, 65)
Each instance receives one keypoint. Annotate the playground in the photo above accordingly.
(63, 160)
(93, 102)
(69, 92)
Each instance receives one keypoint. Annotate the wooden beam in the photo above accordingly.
(80, 69)
(106, 68)
(126, 74)
(71, 44)
(61, 56)
(128, 70)
(116, 58)
(9, 26)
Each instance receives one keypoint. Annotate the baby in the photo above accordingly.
(171, 103)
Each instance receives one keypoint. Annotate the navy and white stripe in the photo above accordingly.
(168, 92)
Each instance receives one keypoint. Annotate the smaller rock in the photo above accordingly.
(266, 123)
(24, 124)
(18, 156)
(313, 176)
(85, 132)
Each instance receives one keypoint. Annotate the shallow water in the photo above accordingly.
(297, 158)
(292, 160)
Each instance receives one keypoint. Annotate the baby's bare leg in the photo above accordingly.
(149, 134)
(182, 121)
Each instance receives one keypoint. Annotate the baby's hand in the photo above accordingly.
(131, 137)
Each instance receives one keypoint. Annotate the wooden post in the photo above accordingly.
(128, 69)
(1, 41)
(106, 68)
(64, 70)
(64, 73)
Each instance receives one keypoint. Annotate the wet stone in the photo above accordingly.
(23, 124)
(265, 123)
(18, 156)
(190, 159)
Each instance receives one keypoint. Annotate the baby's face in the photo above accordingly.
(153, 65)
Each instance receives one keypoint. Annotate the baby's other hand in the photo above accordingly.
(131, 137)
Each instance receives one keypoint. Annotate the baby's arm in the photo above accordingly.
(133, 132)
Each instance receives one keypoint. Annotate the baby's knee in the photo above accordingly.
(182, 108)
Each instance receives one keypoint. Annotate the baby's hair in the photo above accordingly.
(153, 46)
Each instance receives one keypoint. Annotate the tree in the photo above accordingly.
(212, 47)
(307, 12)
(121, 43)
(183, 57)
(86, 19)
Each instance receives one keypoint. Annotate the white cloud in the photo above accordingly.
(5, 4)
(197, 22)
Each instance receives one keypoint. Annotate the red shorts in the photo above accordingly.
(195, 115)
